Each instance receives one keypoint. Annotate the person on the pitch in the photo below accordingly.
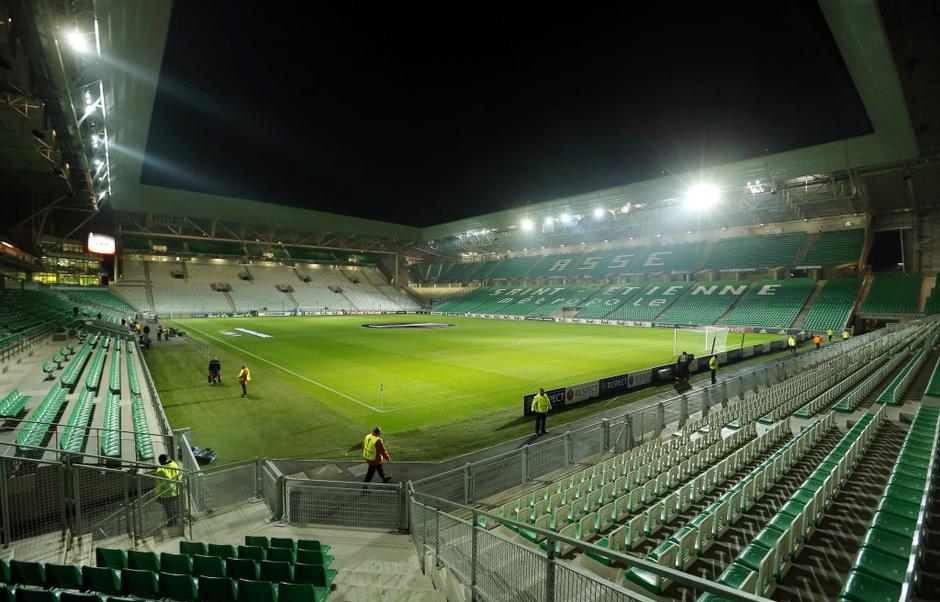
(713, 367)
(244, 377)
(373, 452)
(215, 371)
(540, 407)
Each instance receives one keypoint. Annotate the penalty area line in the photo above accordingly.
(288, 370)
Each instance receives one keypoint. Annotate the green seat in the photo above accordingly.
(899, 492)
(736, 576)
(301, 592)
(216, 589)
(282, 555)
(899, 507)
(313, 557)
(256, 591)
(7, 594)
(241, 568)
(48, 369)
(140, 583)
(101, 579)
(36, 595)
(893, 523)
(64, 576)
(283, 542)
(27, 573)
(180, 564)
(113, 559)
(889, 543)
(276, 570)
(314, 574)
(861, 587)
(210, 566)
(191, 548)
(77, 597)
(178, 587)
(221, 550)
(312, 544)
(252, 552)
(144, 561)
(4, 572)
(883, 566)
(257, 540)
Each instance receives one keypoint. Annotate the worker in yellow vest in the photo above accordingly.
(244, 377)
(373, 452)
(540, 407)
(713, 367)
(168, 489)
(791, 343)
(845, 334)
(829, 334)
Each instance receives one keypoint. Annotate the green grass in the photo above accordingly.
(315, 382)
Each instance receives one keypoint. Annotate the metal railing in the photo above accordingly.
(344, 503)
(495, 568)
(16, 343)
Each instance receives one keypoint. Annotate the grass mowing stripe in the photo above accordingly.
(288, 370)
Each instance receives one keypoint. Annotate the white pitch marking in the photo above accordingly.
(288, 370)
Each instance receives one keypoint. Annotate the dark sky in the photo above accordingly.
(423, 113)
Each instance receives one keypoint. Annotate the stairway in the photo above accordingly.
(292, 299)
(387, 580)
(810, 301)
(925, 289)
(228, 298)
(296, 273)
(149, 284)
(808, 244)
(728, 313)
(862, 294)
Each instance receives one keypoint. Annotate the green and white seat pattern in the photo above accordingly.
(833, 305)
(891, 557)
(705, 302)
(651, 301)
(772, 303)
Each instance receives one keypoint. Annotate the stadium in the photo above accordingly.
(295, 245)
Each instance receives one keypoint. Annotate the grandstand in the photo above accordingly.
(348, 274)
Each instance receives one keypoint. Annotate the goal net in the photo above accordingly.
(700, 341)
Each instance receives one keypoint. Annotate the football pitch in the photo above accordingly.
(320, 383)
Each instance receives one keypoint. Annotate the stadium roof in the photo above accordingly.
(133, 37)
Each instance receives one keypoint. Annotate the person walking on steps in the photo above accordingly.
(244, 377)
(168, 489)
(713, 367)
(374, 452)
(540, 407)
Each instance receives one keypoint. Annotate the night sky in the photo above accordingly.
(420, 114)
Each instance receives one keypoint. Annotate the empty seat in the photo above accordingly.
(193, 547)
(256, 591)
(101, 579)
(144, 561)
(216, 589)
(241, 568)
(27, 573)
(179, 564)
(65, 576)
(257, 540)
(210, 566)
(140, 583)
(251, 552)
(77, 597)
(178, 587)
(283, 542)
(314, 574)
(313, 557)
(36, 595)
(276, 570)
(282, 554)
(312, 544)
(221, 550)
(114, 559)
(301, 592)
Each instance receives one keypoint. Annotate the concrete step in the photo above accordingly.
(384, 580)
(405, 567)
(360, 593)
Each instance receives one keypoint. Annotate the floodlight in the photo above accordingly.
(77, 41)
(598, 213)
(701, 196)
(527, 225)
(549, 221)
(625, 208)
(565, 218)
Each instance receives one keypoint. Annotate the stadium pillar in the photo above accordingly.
(660, 418)
(605, 433)
(684, 407)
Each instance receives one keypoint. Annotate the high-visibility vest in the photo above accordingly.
(845, 334)
(171, 472)
(369, 451)
(540, 403)
(791, 342)
(244, 375)
(713, 363)
(829, 332)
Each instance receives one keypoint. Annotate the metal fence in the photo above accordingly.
(497, 569)
(344, 503)
(40, 497)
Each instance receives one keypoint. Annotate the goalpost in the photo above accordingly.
(700, 341)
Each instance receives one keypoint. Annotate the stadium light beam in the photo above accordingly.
(77, 41)
(565, 218)
(701, 196)
(598, 213)
(527, 225)
(549, 221)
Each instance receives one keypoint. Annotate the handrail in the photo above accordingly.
(551, 537)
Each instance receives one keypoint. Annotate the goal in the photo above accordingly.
(700, 341)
